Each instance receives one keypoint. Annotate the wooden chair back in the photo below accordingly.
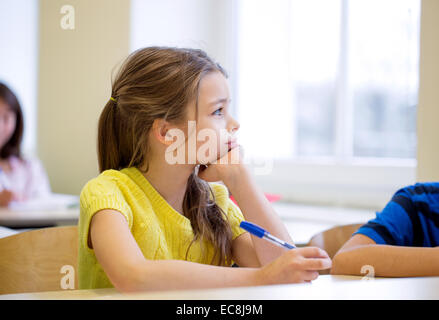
(333, 239)
(39, 260)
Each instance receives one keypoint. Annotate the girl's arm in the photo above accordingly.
(127, 269)
(6, 196)
(243, 251)
(256, 209)
(386, 260)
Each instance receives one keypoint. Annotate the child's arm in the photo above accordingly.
(6, 196)
(252, 202)
(256, 208)
(386, 260)
(392, 242)
(128, 270)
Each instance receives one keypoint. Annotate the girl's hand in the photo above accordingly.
(6, 196)
(294, 266)
(223, 168)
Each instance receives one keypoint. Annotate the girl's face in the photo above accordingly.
(7, 123)
(215, 126)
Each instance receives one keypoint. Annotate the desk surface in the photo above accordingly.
(38, 218)
(325, 287)
(56, 209)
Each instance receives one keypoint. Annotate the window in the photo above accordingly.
(330, 87)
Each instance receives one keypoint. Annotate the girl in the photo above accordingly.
(149, 224)
(20, 179)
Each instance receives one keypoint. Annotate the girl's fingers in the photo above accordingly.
(313, 252)
(317, 264)
(309, 275)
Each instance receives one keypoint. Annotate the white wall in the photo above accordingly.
(75, 69)
(19, 58)
(204, 24)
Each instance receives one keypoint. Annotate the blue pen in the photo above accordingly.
(261, 233)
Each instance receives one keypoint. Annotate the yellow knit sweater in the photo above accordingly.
(160, 231)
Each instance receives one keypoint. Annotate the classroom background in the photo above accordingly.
(341, 95)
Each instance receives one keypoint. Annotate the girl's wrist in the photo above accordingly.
(256, 277)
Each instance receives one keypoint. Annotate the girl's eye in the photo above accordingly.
(216, 111)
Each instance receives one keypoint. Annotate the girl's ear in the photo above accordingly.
(160, 129)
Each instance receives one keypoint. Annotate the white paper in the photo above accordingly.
(55, 201)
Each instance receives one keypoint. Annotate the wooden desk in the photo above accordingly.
(325, 287)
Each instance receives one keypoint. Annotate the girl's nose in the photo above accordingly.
(233, 126)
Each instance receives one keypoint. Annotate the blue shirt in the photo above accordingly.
(411, 218)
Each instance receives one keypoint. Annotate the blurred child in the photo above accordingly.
(20, 179)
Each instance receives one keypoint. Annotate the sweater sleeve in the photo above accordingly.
(98, 194)
(235, 217)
